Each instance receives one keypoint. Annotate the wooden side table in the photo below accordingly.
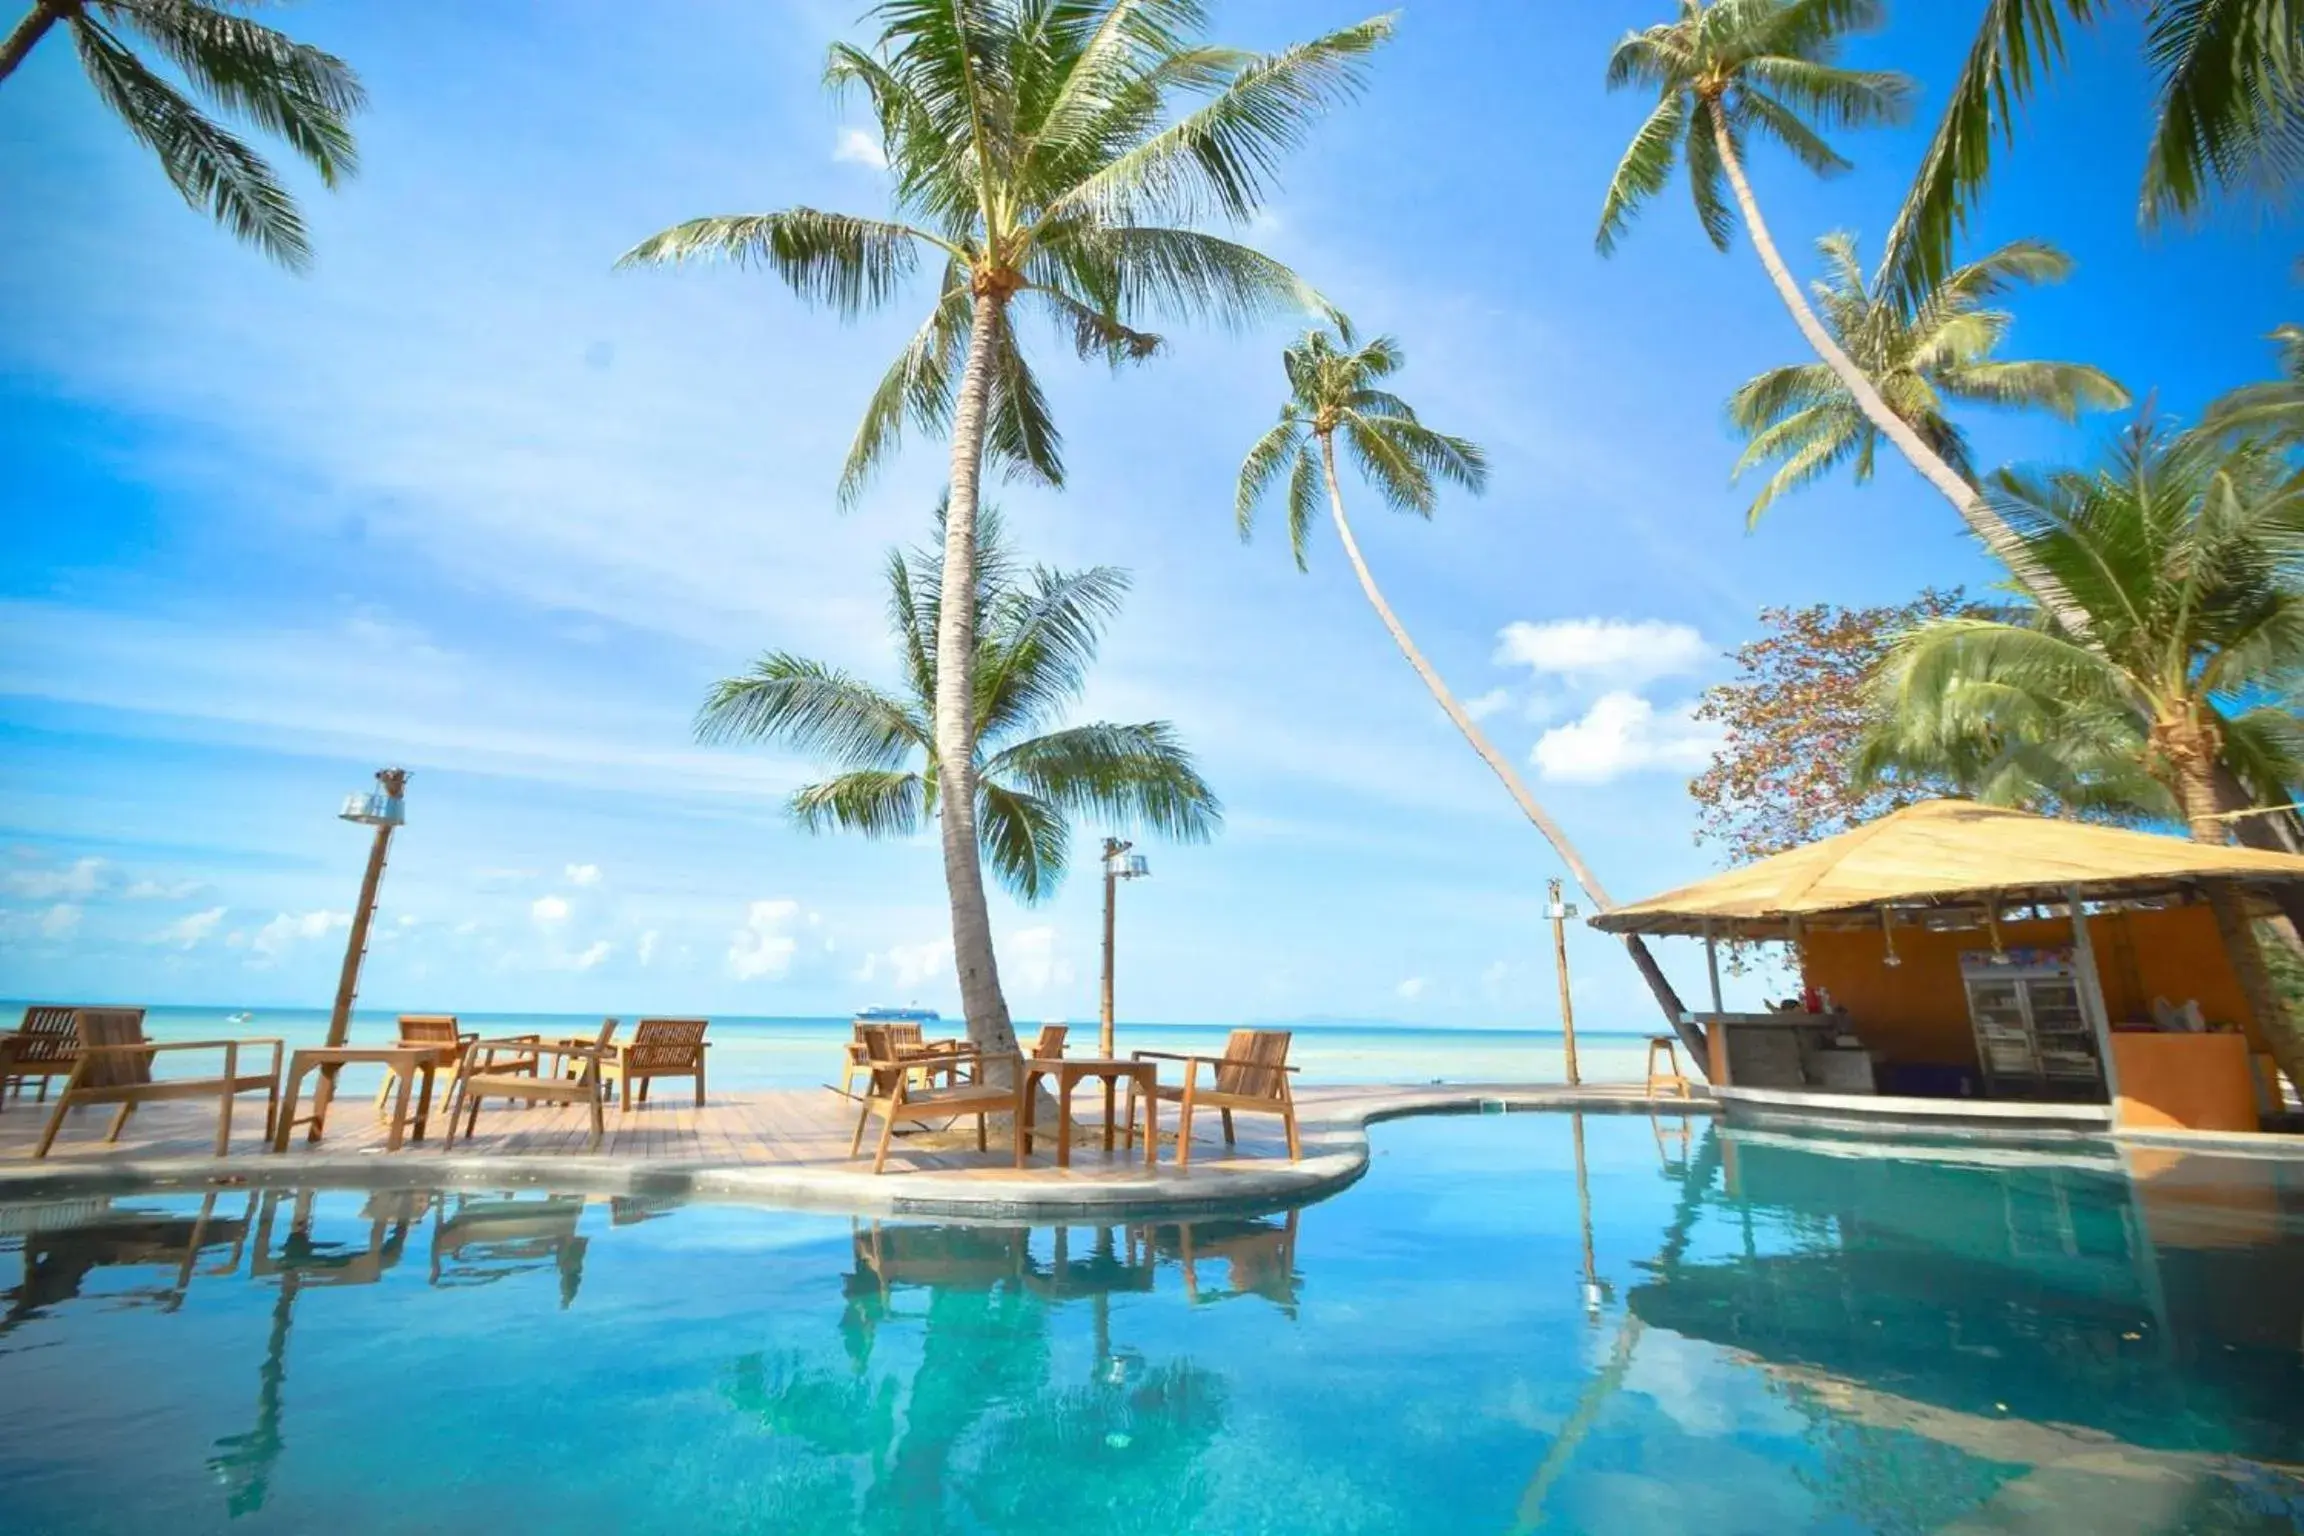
(1068, 1071)
(406, 1061)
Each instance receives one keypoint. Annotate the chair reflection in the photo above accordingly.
(480, 1239)
(1259, 1255)
(390, 1214)
(59, 1258)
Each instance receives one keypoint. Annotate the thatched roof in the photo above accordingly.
(1946, 853)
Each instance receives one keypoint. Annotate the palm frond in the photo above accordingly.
(1023, 838)
(211, 169)
(1812, 442)
(292, 89)
(875, 802)
(1646, 166)
(2016, 42)
(811, 708)
(1037, 643)
(917, 388)
(850, 264)
(2062, 389)
(1398, 473)
(2231, 100)
(1757, 110)
(1020, 436)
(1130, 777)
(1272, 453)
(1220, 158)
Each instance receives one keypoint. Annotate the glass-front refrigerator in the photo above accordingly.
(2033, 1038)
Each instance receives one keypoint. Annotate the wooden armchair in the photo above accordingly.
(44, 1046)
(1251, 1076)
(508, 1069)
(440, 1029)
(658, 1048)
(894, 1095)
(929, 1057)
(113, 1065)
(1050, 1045)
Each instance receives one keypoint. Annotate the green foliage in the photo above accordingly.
(1332, 393)
(2272, 410)
(1051, 156)
(1940, 351)
(241, 69)
(2230, 113)
(1037, 631)
(1760, 69)
(2187, 556)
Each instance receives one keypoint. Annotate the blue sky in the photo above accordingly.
(465, 500)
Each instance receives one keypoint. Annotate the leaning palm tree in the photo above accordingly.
(1336, 389)
(1942, 350)
(240, 66)
(1048, 157)
(1036, 632)
(1726, 72)
(2229, 113)
(2189, 559)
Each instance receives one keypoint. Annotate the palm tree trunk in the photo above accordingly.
(1650, 971)
(2197, 779)
(26, 33)
(1985, 523)
(980, 997)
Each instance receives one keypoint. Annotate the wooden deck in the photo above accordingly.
(781, 1146)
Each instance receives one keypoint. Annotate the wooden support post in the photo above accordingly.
(2091, 986)
(1567, 1003)
(1712, 966)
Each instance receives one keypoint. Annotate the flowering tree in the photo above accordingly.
(1794, 715)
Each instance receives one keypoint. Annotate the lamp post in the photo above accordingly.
(1559, 912)
(384, 811)
(1119, 865)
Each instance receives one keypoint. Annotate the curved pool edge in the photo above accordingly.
(1333, 1122)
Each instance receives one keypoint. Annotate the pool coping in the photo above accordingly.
(1333, 1133)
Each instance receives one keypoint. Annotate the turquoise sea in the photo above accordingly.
(797, 1053)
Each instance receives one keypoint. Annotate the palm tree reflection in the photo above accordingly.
(955, 1445)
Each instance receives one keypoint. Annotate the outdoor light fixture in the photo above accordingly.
(385, 809)
(1119, 865)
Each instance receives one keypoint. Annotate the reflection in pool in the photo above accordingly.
(1748, 1334)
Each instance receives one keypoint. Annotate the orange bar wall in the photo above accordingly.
(1918, 1011)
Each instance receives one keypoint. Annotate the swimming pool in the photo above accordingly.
(1759, 1334)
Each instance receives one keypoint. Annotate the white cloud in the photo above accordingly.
(155, 890)
(906, 966)
(1623, 733)
(1411, 989)
(76, 882)
(593, 953)
(191, 930)
(764, 946)
(856, 147)
(549, 911)
(1488, 703)
(1029, 961)
(1615, 652)
(583, 874)
(646, 951)
(284, 932)
(60, 921)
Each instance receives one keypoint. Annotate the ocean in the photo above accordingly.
(752, 1053)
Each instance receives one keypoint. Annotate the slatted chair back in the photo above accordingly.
(1050, 1045)
(113, 1026)
(1252, 1062)
(902, 1037)
(662, 1045)
(47, 1034)
(883, 1056)
(430, 1029)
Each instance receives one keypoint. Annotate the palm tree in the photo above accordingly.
(1036, 632)
(242, 67)
(1801, 416)
(1727, 71)
(2229, 113)
(2188, 556)
(1034, 158)
(1335, 388)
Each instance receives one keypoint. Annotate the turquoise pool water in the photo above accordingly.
(1771, 1336)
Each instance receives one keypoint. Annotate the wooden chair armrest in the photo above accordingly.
(1215, 1061)
(1158, 1056)
(173, 1045)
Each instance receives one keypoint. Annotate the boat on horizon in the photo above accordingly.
(887, 1015)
